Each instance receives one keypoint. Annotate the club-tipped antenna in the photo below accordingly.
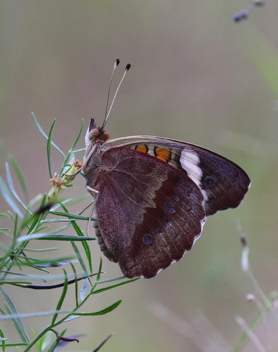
(116, 63)
(107, 113)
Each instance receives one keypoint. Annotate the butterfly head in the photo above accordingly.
(94, 139)
(95, 134)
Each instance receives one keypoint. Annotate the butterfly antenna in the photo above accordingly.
(116, 63)
(119, 85)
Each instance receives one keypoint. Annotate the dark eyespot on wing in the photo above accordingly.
(148, 239)
(170, 208)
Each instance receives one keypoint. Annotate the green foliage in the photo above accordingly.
(28, 225)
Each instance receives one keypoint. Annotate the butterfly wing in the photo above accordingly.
(222, 182)
(154, 196)
(150, 212)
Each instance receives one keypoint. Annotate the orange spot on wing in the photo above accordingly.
(162, 154)
(141, 148)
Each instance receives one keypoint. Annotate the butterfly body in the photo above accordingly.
(154, 195)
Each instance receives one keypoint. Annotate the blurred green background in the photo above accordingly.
(196, 76)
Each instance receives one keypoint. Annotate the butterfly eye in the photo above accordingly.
(147, 239)
(93, 133)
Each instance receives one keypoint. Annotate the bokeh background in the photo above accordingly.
(196, 76)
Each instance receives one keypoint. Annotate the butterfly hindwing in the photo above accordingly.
(150, 212)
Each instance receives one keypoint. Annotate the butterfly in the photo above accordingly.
(152, 196)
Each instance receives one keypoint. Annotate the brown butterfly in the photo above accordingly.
(152, 196)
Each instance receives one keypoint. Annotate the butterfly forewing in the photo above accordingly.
(222, 182)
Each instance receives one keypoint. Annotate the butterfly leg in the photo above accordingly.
(95, 194)
(86, 207)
